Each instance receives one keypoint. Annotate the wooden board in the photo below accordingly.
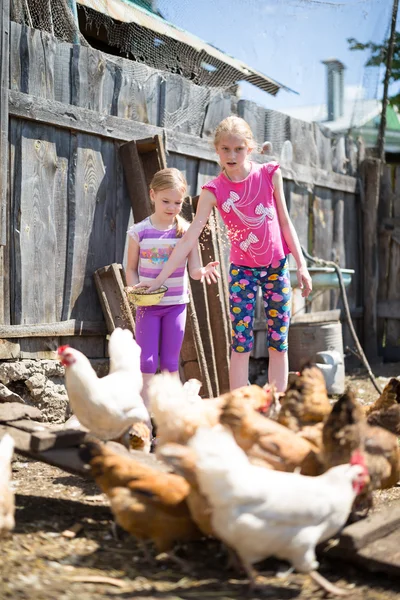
(110, 283)
(14, 411)
(372, 543)
(4, 85)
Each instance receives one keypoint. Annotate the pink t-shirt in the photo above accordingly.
(248, 209)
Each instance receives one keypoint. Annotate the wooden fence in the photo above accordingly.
(67, 208)
(388, 288)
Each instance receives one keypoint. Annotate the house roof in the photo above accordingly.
(130, 12)
(356, 114)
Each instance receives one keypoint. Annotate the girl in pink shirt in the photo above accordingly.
(251, 201)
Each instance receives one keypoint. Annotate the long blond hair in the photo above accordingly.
(234, 125)
(171, 179)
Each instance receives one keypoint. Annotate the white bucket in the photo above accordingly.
(322, 342)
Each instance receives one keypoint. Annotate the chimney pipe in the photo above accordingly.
(335, 88)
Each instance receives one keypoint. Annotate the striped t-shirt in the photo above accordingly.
(155, 247)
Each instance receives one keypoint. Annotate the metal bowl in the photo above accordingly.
(141, 297)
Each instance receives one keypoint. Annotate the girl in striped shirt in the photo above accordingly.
(160, 328)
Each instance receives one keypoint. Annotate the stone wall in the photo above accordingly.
(40, 383)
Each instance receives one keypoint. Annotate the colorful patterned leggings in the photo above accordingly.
(159, 333)
(243, 286)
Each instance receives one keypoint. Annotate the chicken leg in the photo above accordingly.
(326, 585)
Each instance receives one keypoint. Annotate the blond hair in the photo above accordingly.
(235, 126)
(171, 179)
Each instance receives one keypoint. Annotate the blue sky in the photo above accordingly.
(288, 39)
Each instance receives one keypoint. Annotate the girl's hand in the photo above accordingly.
(210, 273)
(147, 286)
(304, 279)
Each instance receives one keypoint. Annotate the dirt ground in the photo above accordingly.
(64, 547)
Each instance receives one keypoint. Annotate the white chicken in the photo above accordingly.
(177, 409)
(109, 405)
(261, 513)
(7, 502)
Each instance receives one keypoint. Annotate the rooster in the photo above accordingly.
(261, 513)
(106, 406)
(7, 503)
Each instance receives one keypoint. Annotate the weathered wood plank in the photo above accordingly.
(254, 115)
(14, 411)
(62, 73)
(372, 542)
(15, 217)
(72, 327)
(93, 229)
(136, 92)
(219, 107)
(387, 226)
(306, 152)
(298, 200)
(189, 167)
(389, 309)
(218, 309)
(37, 240)
(84, 120)
(41, 52)
(9, 349)
(60, 204)
(199, 297)
(322, 136)
(179, 93)
(322, 233)
(4, 85)
(110, 283)
(370, 176)
(135, 181)
(393, 295)
(352, 235)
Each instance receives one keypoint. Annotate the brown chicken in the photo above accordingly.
(265, 441)
(305, 401)
(346, 430)
(177, 417)
(389, 397)
(388, 418)
(145, 500)
(182, 460)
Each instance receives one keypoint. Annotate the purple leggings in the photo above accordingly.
(159, 333)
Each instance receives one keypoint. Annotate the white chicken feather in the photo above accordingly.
(7, 502)
(178, 409)
(109, 405)
(261, 513)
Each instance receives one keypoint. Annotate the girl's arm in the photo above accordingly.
(187, 242)
(290, 235)
(132, 275)
(197, 271)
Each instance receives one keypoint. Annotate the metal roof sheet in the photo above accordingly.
(127, 12)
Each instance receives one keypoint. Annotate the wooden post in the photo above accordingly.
(4, 85)
(370, 200)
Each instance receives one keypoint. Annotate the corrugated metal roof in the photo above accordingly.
(126, 12)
